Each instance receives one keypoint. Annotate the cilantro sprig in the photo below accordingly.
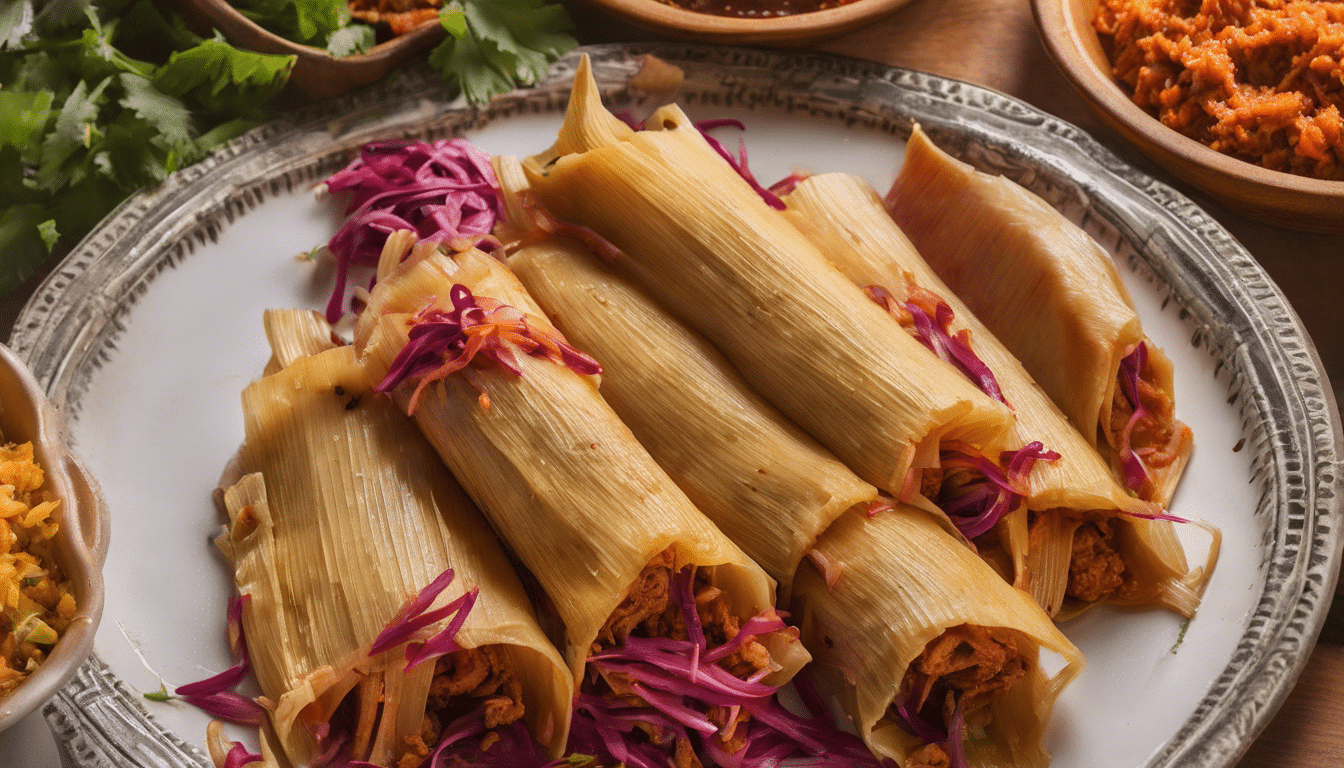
(494, 46)
(100, 99)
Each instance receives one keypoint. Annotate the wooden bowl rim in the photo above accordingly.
(221, 9)
(1056, 24)
(708, 25)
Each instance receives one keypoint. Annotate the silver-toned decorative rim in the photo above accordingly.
(1240, 317)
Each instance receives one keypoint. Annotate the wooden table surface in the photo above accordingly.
(994, 43)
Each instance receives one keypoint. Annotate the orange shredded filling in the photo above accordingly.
(1260, 80)
(401, 16)
(36, 601)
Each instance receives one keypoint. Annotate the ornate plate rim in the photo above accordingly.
(75, 314)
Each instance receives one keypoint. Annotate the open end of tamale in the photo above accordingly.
(923, 644)
(946, 693)
(1147, 446)
(347, 538)
(679, 620)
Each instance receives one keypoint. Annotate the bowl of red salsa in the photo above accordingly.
(781, 22)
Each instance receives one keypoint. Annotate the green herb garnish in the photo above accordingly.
(160, 695)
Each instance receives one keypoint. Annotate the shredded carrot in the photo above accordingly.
(36, 603)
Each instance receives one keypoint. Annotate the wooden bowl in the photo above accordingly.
(317, 73)
(1275, 197)
(782, 31)
(80, 545)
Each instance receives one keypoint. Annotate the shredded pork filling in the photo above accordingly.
(928, 756)
(649, 610)
(1096, 569)
(464, 681)
(966, 667)
(1154, 435)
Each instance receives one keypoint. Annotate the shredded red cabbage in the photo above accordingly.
(993, 490)
(956, 740)
(415, 615)
(239, 756)
(909, 708)
(460, 746)
(215, 695)
(227, 705)
(936, 333)
(880, 504)
(1132, 367)
(653, 696)
(787, 184)
(443, 190)
(443, 342)
(628, 119)
(551, 224)
(738, 163)
(230, 677)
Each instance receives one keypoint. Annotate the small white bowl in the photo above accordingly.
(81, 541)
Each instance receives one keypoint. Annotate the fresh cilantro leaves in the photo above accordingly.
(497, 45)
(99, 100)
(311, 22)
(351, 39)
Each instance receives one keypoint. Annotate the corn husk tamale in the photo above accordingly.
(898, 583)
(345, 514)
(1051, 294)
(844, 216)
(766, 484)
(696, 236)
(569, 489)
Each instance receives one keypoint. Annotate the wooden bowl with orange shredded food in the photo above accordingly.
(317, 73)
(53, 540)
(782, 23)
(1241, 99)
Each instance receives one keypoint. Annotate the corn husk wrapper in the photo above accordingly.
(844, 216)
(1049, 292)
(567, 486)
(697, 237)
(766, 484)
(345, 514)
(899, 583)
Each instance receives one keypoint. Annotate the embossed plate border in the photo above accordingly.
(1242, 320)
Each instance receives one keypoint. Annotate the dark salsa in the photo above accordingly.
(757, 9)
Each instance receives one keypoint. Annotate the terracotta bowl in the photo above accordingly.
(1278, 198)
(317, 73)
(81, 540)
(783, 31)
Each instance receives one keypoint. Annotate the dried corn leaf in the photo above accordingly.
(697, 237)
(571, 492)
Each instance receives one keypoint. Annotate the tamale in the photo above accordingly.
(569, 489)
(695, 235)
(896, 591)
(1053, 296)
(345, 514)
(764, 482)
(844, 216)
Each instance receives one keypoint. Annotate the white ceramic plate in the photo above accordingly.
(151, 329)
